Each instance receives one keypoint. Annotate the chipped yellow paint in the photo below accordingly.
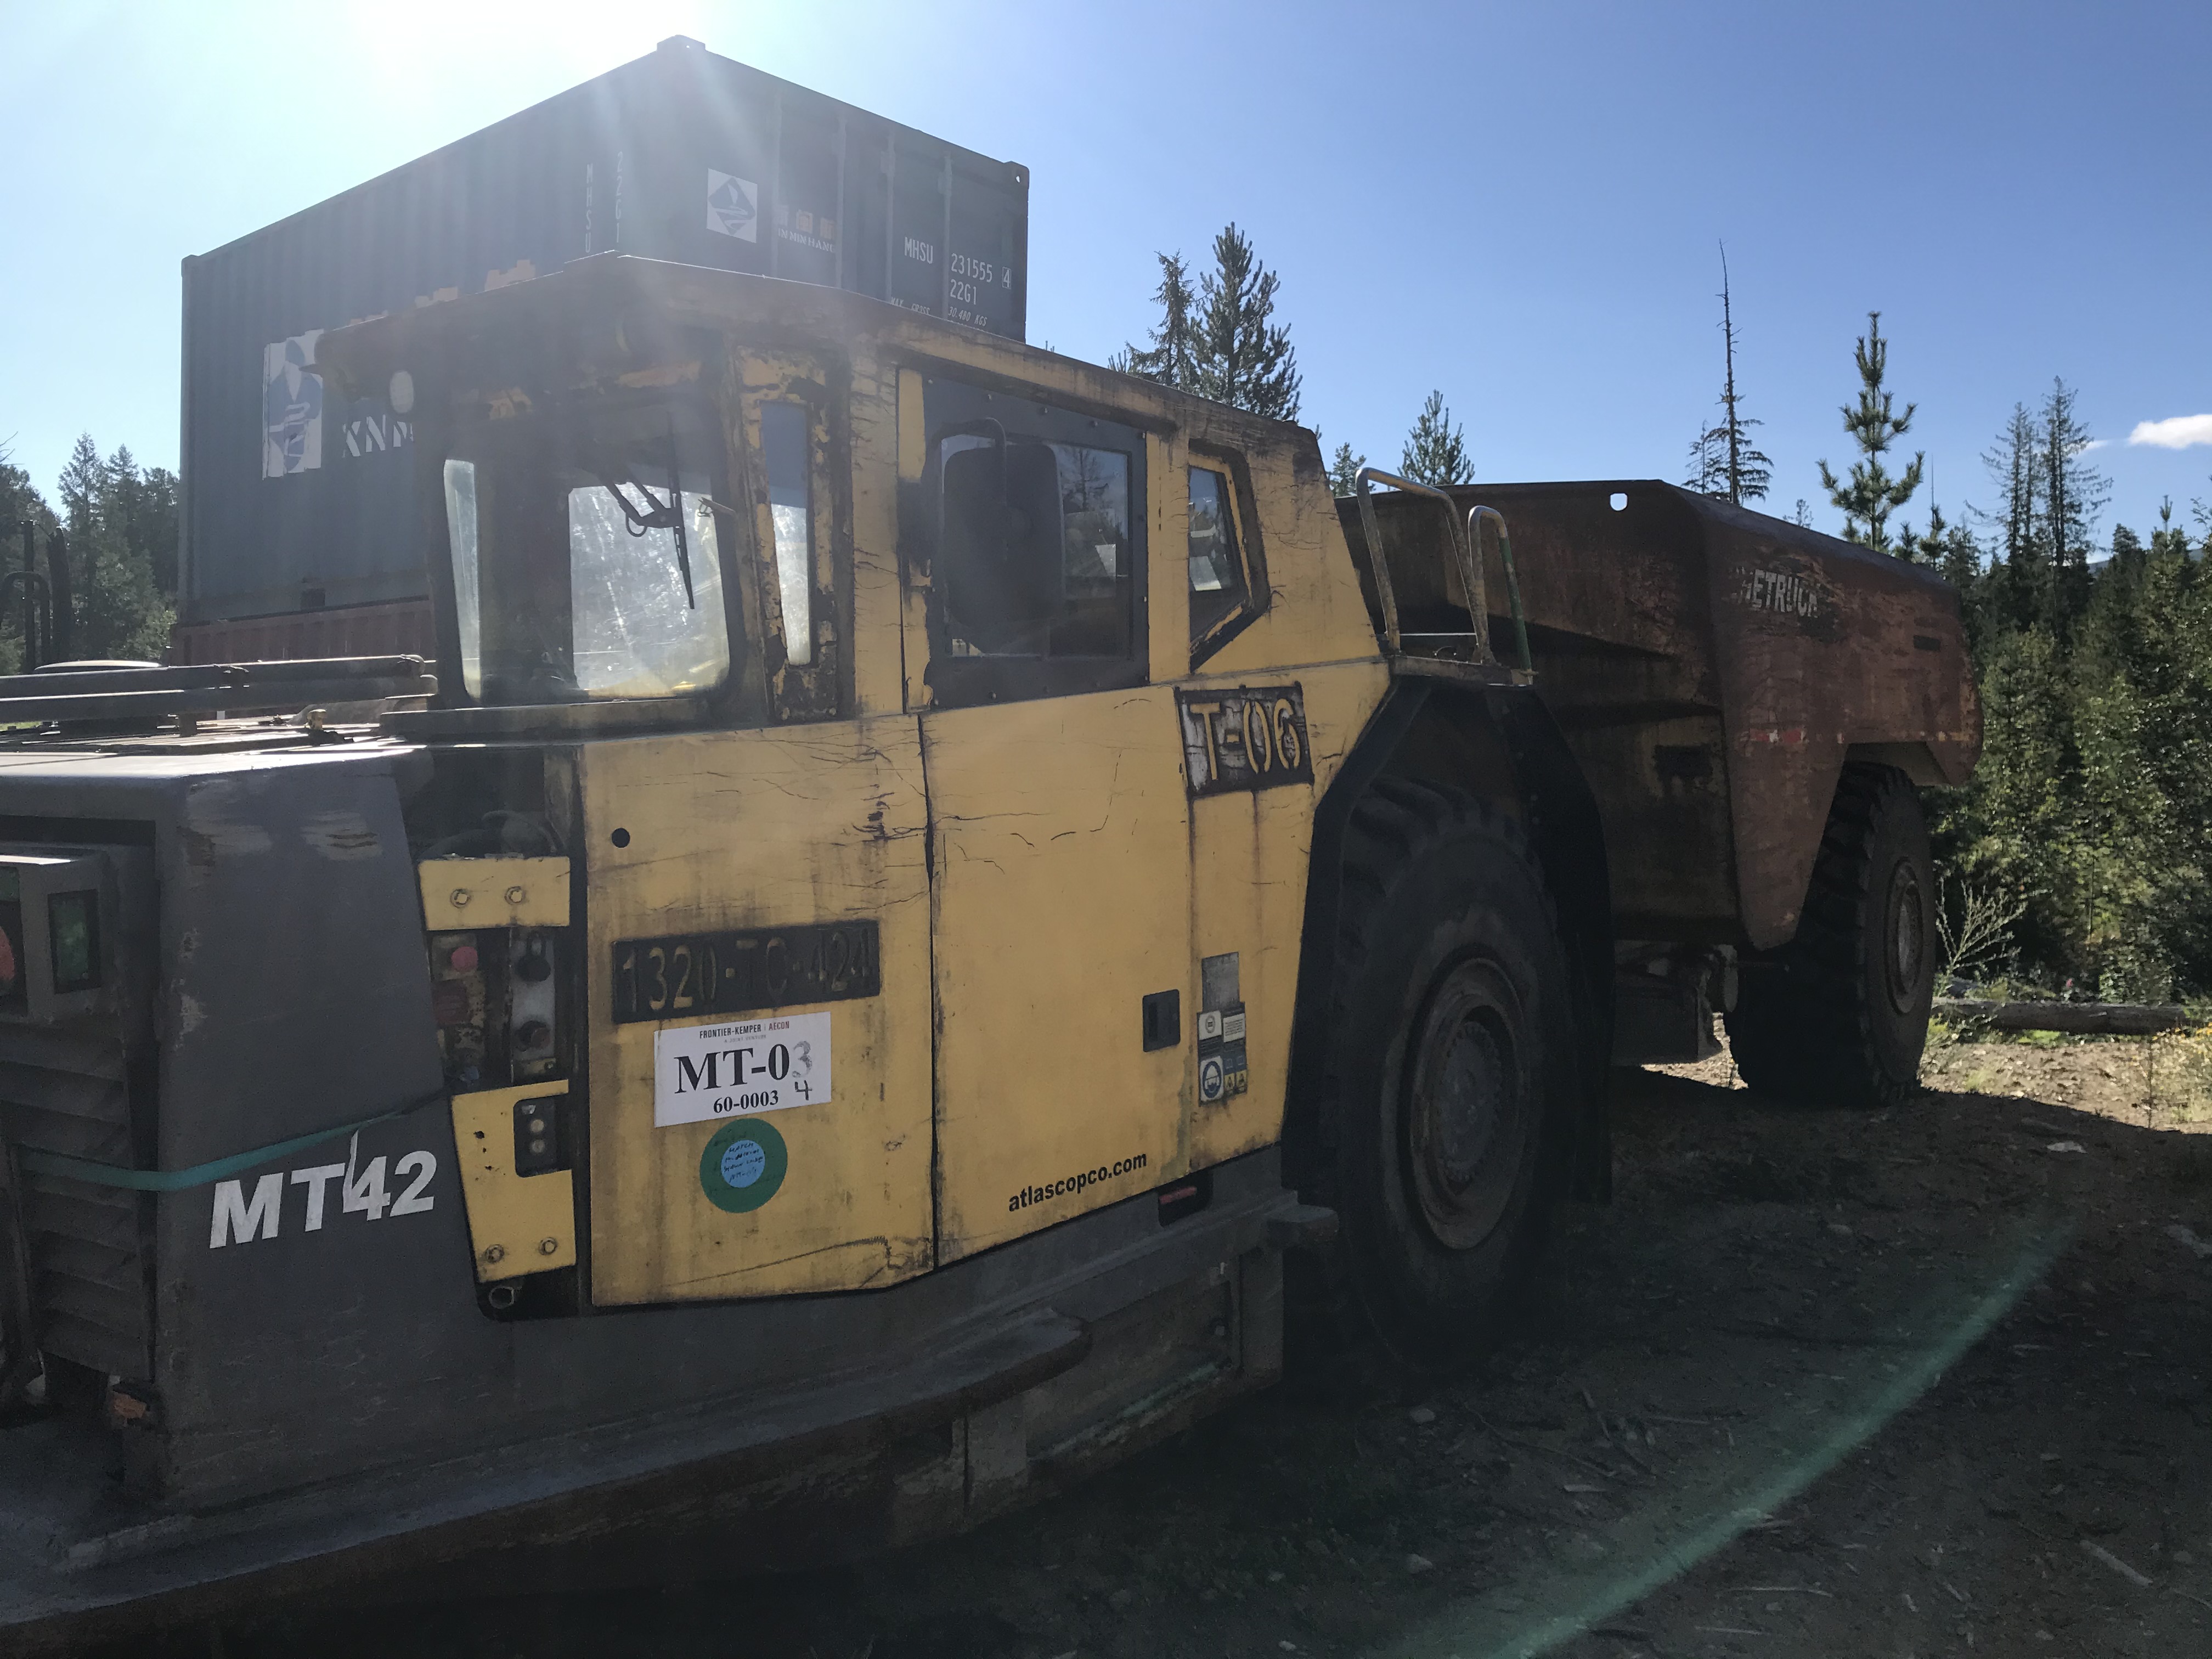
(1062, 898)
(914, 435)
(1167, 598)
(462, 893)
(758, 829)
(662, 374)
(511, 1218)
(786, 378)
(1248, 858)
(878, 670)
(913, 460)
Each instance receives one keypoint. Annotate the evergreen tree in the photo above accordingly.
(1708, 464)
(1244, 359)
(20, 502)
(2169, 540)
(119, 519)
(1172, 357)
(1220, 342)
(1723, 461)
(1957, 556)
(2019, 568)
(1436, 449)
(2071, 493)
(1344, 470)
(1870, 494)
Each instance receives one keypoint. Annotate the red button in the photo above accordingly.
(463, 959)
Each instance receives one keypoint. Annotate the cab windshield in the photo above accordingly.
(587, 558)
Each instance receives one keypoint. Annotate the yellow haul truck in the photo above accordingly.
(927, 874)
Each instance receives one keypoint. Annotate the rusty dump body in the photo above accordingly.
(1712, 671)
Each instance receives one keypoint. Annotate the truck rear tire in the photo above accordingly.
(1450, 1081)
(1839, 1015)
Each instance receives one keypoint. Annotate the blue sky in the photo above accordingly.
(1519, 204)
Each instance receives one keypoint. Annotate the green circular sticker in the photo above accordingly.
(744, 1165)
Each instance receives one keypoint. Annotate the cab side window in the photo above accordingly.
(1032, 521)
(1226, 591)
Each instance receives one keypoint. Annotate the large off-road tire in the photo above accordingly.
(1839, 1015)
(1449, 1083)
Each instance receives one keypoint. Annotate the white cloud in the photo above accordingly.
(2182, 432)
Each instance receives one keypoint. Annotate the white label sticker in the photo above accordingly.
(704, 1073)
(291, 406)
(732, 206)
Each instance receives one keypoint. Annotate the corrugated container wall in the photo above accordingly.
(291, 505)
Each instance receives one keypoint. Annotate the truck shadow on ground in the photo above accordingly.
(1817, 1382)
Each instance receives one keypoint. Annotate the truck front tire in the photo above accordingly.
(1450, 1078)
(1839, 1015)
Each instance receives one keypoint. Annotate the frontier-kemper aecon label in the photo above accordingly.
(706, 1073)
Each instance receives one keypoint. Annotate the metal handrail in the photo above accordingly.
(1475, 516)
(1470, 568)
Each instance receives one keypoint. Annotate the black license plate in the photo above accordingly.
(744, 971)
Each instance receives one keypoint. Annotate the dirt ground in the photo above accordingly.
(1928, 1381)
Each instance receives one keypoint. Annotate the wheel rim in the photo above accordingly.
(1466, 1107)
(1904, 958)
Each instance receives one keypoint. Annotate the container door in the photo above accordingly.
(758, 929)
(1058, 815)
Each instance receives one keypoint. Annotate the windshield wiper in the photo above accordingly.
(655, 514)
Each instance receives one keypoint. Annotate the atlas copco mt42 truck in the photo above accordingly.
(940, 897)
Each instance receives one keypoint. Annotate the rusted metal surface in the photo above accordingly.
(402, 627)
(1713, 669)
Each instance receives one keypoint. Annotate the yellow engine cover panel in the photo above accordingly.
(785, 829)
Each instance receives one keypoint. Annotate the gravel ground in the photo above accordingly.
(1817, 1382)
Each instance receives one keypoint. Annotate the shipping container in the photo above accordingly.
(293, 505)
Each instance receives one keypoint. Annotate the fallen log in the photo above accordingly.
(2079, 1018)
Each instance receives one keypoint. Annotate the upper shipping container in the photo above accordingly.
(292, 504)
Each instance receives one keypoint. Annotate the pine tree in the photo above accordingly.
(2169, 540)
(20, 502)
(1244, 360)
(1344, 470)
(1723, 461)
(2071, 494)
(1172, 357)
(2019, 570)
(1708, 468)
(1220, 342)
(117, 517)
(1436, 449)
(1957, 556)
(1870, 496)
